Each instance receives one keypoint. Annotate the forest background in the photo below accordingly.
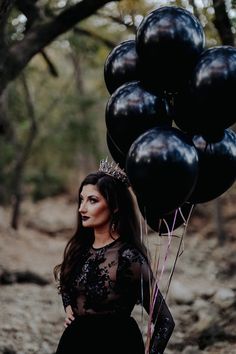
(53, 132)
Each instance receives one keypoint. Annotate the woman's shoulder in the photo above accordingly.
(131, 253)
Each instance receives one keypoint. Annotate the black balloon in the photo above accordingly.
(130, 111)
(169, 222)
(187, 117)
(169, 42)
(217, 167)
(209, 107)
(162, 166)
(118, 156)
(121, 65)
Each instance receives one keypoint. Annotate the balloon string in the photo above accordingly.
(141, 280)
(156, 263)
(186, 221)
(182, 216)
(156, 259)
(179, 253)
(156, 284)
(186, 224)
(178, 250)
(154, 297)
(149, 272)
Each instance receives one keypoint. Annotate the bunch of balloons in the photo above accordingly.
(169, 114)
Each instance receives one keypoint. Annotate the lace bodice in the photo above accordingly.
(112, 280)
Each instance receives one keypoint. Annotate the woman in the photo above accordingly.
(105, 272)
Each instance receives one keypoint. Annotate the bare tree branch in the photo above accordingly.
(5, 6)
(195, 8)
(51, 67)
(77, 72)
(31, 11)
(40, 35)
(6, 127)
(222, 22)
(130, 26)
(94, 35)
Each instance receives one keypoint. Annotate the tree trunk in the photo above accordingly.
(22, 157)
(222, 22)
(219, 222)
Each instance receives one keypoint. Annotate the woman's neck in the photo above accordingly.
(103, 238)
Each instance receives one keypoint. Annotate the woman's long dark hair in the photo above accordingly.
(123, 219)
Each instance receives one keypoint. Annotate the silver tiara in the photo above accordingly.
(113, 169)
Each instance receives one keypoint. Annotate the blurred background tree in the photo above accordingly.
(53, 96)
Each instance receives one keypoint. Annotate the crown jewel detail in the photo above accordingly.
(113, 169)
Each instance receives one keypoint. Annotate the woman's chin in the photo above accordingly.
(85, 224)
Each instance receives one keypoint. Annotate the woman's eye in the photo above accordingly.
(92, 200)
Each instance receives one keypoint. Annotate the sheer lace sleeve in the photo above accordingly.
(161, 317)
(66, 299)
(163, 324)
(140, 274)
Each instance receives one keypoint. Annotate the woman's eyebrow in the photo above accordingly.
(90, 196)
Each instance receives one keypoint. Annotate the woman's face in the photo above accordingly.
(93, 208)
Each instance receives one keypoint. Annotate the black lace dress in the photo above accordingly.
(104, 292)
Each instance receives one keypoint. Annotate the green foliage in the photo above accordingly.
(69, 111)
(45, 183)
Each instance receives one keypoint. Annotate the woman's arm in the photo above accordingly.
(66, 300)
(161, 318)
(136, 271)
(163, 325)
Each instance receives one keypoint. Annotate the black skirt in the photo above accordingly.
(105, 334)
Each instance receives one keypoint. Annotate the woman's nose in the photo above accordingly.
(82, 207)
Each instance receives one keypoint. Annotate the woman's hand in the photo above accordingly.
(69, 316)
